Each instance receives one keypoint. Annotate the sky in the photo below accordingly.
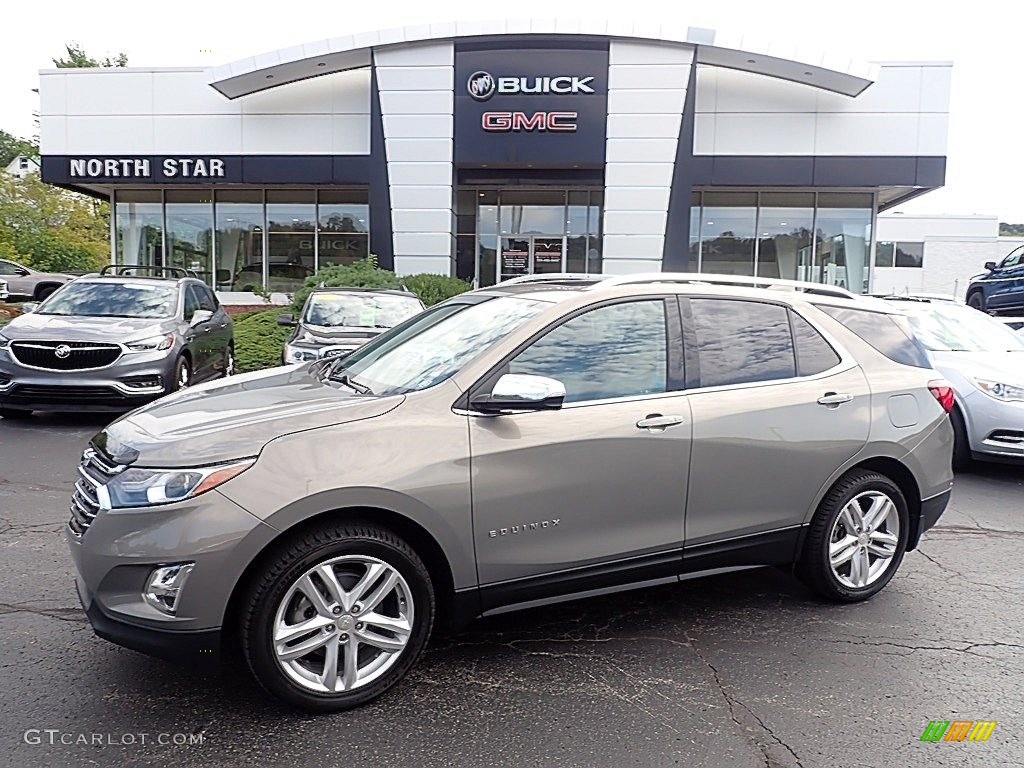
(985, 170)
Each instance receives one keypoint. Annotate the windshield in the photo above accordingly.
(432, 346)
(354, 310)
(961, 329)
(96, 299)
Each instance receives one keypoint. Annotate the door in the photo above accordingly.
(197, 337)
(775, 411)
(601, 481)
(220, 327)
(1007, 282)
(548, 255)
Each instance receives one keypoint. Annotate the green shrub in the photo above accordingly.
(361, 274)
(433, 289)
(259, 340)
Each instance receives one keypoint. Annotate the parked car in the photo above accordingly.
(509, 447)
(1001, 288)
(336, 321)
(27, 283)
(282, 277)
(984, 361)
(112, 342)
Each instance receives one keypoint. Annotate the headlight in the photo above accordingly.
(298, 354)
(145, 487)
(999, 390)
(5, 343)
(152, 343)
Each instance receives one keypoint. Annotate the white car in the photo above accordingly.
(983, 357)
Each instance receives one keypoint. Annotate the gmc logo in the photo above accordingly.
(502, 122)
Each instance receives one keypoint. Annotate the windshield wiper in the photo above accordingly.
(346, 380)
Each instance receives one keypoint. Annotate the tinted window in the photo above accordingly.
(742, 341)
(889, 334)
(191, 302)
(813, 353)
(360, 310)
(207, 298)
(7, 268)
(614, 351)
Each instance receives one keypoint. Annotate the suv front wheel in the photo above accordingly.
(337, 617)
(856, 539)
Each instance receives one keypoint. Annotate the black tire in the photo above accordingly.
(814, 568)
(271, 584)
(963, 461)
(14, 413)
(182, 367)
(977, 300)
(43, 292)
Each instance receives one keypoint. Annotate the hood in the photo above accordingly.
(73, 328)
(234, 418)
(1006, 367)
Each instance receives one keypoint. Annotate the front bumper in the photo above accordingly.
(115, 555)
(996, 428)
(100, 389)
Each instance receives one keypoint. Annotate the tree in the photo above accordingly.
(1011, 230)
(79, 59)
(11, 146)
(50, 229)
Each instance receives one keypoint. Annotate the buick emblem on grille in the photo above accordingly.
(62, 351)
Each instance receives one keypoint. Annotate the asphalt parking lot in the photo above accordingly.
(739, 670)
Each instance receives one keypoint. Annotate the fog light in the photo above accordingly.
(163, 588)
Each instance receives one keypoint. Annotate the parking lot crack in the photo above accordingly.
(73, 615)
(946, 569)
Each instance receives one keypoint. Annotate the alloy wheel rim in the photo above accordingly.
(183, 377)
(864, 539)
(229, 367)
(342, 624)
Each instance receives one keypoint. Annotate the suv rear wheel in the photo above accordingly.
(856, 539)
(976, 300)
(337, 617)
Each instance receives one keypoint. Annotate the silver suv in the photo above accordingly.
(523, 444)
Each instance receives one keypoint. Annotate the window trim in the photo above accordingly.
(846, 360)
(675, 382)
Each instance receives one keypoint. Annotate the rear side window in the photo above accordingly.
(742, 341)
(813, 353)
(888, 334)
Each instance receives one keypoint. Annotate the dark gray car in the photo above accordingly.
(112, 342)
(510, 447)
(27, 283)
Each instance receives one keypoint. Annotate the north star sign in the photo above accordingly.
(142, 168)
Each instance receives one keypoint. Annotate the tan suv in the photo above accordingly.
(513, 446)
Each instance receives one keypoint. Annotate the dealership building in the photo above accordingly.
(489, 150)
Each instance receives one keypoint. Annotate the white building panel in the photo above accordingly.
(437, 198)
(110, 135)
(351, 134)
(424, 243)
(640, 150)
(198, 134)
(636, 198)
(186, 93)
(630, 266)
(419, 174)
(415, 78)
(418, 126)
(417, 102)
(286, 134)
(414, 265)
(646, 101)
(416, 55)
(53, 135)
(633, 247)
(933, 134)
(405, 220)
(865, 134)
(641, 76)
(646, 53)
(638, 174)
(635, 223)
(53, 94)
(418, 150)
(763, 133)
(644, 126)
(111, 93)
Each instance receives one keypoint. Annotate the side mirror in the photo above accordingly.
(22, 272)
(200, 316)
(521, 392)
(990, 265)
(287, 320)
(29, 306)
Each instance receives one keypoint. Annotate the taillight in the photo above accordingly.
(942, 390)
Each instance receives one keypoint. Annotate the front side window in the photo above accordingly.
(614, 351)
(354, 310)
(740, 342)
(1013, 259)
(432, 346)
(888, 334)
(100, 299)
(9, 268)
(192, 302)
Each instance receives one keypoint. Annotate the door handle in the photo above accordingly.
(834, 399)
(658, 423)
(207, 329)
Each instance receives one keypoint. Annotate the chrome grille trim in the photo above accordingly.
(94, 472)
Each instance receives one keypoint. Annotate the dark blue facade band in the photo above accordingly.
(816, 171)
(381, 239)
(675, 255)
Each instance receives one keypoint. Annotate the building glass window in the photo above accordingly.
(138, 231)
(189, 216)
(885, 253)
(843, 240)
(344, 223)
(728, 222)
(910, 255)
(291, 227)
(785, 221)
(238, 215)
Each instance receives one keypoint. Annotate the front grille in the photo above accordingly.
(1008, 436)
(94, 472)
(64, 355)
(47, 394)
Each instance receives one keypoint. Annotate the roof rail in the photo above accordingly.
(551, 277)
(124, 270)
(820, 289)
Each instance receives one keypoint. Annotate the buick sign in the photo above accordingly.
(482, 85)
